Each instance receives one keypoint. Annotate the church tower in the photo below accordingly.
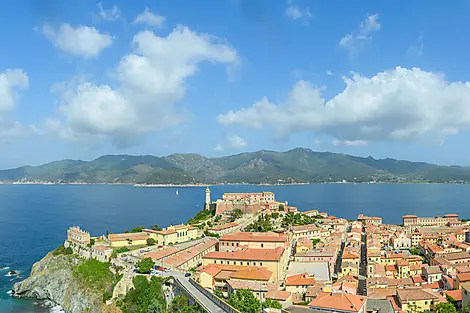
(207, 204)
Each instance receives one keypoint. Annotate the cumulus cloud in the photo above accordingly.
(236, 142)
(399, 104)
(295, 13)
(109, 14)
(150, 82)
(10, 82)
(350, 143)
(150, 19)
(82, 41)
(356, 40)
(219, 148)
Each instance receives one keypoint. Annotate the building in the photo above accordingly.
(101, 253)
(465, 287)
(339, 302)
(369, 219)
(173, 234)
(298, 283)
(418, 299)
(274, 260)
(128, 239)
(413, 220)
(76, 235)
(250, 197)
(432, 273)
(401, 241)
(241, 240)
(191, 257)
(284, 297)
(224, 228)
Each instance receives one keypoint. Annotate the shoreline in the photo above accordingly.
(234, 184)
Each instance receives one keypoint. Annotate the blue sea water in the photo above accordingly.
(34, 218)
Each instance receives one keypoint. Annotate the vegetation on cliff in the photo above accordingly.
(296, 165)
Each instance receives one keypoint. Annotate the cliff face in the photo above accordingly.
(52, 279)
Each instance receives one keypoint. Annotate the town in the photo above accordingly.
(295, 261)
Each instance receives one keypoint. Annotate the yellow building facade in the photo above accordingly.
(173, 234)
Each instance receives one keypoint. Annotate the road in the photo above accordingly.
(211, 306)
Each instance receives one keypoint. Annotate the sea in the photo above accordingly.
(34, 218)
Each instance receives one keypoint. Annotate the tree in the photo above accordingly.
(219, 294)
(465, 309)
(445, 308)
(244, 301)
(137, 229)
(156, 227)
(315, 241)
(178, 303)
(414, 251)
(92, 241)
(156, 306)
(151, 242)
(129, 241)
(145, 265)
(269, 303)
(237, 213)
(281, 207)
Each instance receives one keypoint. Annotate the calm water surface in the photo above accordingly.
(34, 218)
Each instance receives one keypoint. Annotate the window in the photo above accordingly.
(262, 245)
(260, 264)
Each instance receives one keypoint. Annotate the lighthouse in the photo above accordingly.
(208, 199)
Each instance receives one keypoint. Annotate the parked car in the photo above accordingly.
(167, 270)
(187, 274)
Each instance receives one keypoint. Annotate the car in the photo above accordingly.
(187, 274)
(167, 270)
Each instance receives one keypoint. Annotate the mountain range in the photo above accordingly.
(299, 165)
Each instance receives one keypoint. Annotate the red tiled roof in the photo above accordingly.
(248, 254)
(339, 301)
(300, 280)
(455, 294)
(278, 295)
(463, 277)
(255, 237)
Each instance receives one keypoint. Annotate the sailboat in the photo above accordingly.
(177, 193)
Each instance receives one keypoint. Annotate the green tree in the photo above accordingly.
(315, 241)
(92, 241)
(178, 303)
(137, 229)
(465, 309)
(218, 218)
(129, 241)
(151, 242)
(414, 251)
(219, 294)
(445, 308)
(244, 301)
(281, 207)
(156, 227)
(145, 265)
(156, 306)
(237, 213)
(269, 303)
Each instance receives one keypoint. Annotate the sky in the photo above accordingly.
(80, 79)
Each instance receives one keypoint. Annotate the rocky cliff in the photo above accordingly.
(52, 279)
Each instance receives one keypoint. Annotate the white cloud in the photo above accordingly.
(236, 142)
(350, 143)
(399, 104)
(317, 142)
(354, 41)
(83, 41)
(219, 148)
(150, 82)
(150, 19)
(294, 12)
(329, 73)
(417, 49)
(110, 14)
(10, 82)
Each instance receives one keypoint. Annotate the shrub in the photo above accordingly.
(145, 265)
(151, 242)
(122, 250)
(62, 251)
(107, 295)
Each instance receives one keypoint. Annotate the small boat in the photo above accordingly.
(177, 193)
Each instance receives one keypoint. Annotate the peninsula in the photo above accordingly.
(248, 252)
(299, 165)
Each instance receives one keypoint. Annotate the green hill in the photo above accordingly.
(297, 165)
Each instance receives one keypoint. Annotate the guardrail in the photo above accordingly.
(189, 294)
(219, 302)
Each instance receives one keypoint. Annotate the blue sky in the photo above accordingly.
(84, 78)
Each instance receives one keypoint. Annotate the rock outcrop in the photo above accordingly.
(52, 279)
